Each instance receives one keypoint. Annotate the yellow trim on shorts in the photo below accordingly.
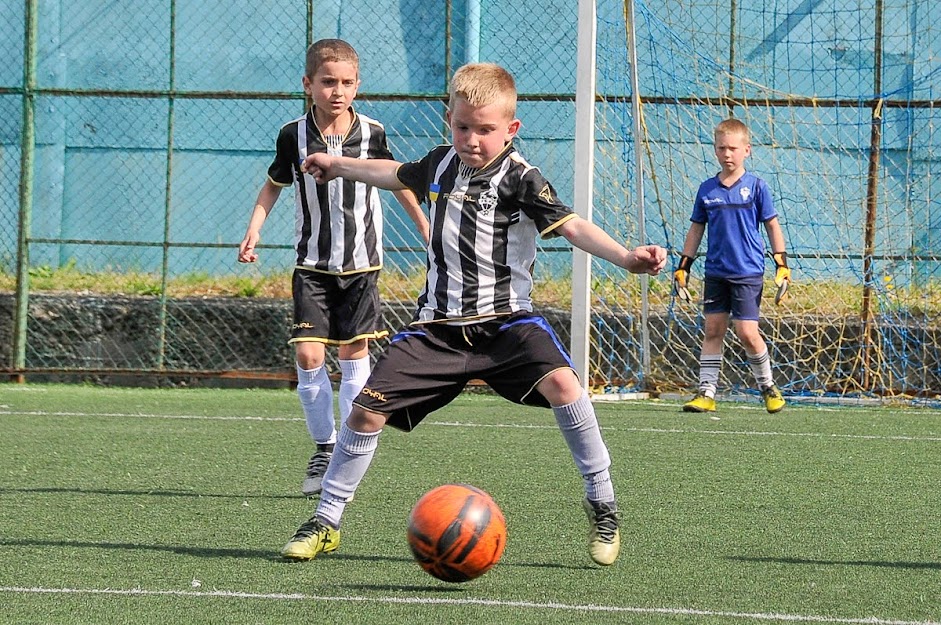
(379, 334)
(532, 389)
(282, 185)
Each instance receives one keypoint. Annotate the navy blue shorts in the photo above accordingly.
(741, 297)
(425, 367)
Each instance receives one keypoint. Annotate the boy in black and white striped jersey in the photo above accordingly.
(475, 317)
(338, 240)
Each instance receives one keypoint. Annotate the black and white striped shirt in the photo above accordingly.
(484, 224)
(337, 225)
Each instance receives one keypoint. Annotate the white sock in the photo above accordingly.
(709, 367)
(598, 487)
(354, 374)
(352, 456)
(761, 368)
(583, 436)
(316, 395)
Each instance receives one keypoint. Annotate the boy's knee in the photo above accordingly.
(750, 337)
(365, 421)
(309, 356)
(560, 387)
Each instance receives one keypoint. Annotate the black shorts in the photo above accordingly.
(336, 309)
(425, 367)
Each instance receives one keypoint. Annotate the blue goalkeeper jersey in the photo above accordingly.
(734, 217)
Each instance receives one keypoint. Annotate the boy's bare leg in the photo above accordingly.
(710, 363)
(759, 361)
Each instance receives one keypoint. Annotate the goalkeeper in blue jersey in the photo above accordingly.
(733, 205)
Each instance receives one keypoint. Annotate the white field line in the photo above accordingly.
(141, 415)
(614, 428)
(465, 424)
(760, 616)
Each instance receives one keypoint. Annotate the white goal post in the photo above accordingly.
(585, 96)
(583, 184)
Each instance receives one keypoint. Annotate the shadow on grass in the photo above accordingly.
(251, 554)
(144, 493)
(503, 564)
(202, 552)
(876, 563)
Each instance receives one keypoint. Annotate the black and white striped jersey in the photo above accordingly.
(484, 224)
(337, 225)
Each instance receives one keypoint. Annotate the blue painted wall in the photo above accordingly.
(101, 161)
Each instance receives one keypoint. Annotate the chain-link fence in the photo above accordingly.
(141, 134)
(135, 138)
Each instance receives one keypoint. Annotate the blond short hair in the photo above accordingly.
(733, 126)
(480, 84)
(329, 51)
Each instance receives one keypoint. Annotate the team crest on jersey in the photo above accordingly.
(546, 195)
(486, 201)
(746, 192)
(433, 190)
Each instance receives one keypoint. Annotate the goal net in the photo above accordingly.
(842, 100)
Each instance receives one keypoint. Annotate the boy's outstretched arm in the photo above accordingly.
(376, 172)
(588, 237)
(409, 202)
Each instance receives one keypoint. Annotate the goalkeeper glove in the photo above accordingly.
(782, 277)
(681, 279)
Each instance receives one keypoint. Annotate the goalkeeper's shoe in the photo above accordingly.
(604, 539)
(311, 538)
(774, 401)
(700, 403)
(316, 467)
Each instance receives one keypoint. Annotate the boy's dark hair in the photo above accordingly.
(327, 51)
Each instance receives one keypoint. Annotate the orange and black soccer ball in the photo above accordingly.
(457, 532)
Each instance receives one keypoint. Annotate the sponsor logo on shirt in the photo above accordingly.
(712, 200)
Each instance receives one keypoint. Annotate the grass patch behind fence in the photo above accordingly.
(817, 297)
(146, 506)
